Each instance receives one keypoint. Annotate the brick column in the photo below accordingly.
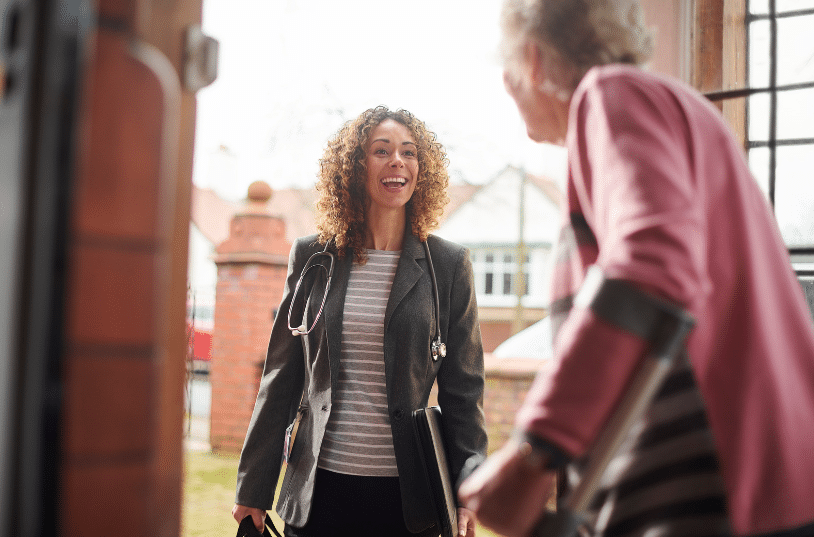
(252, 265)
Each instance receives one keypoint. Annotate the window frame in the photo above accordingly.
(721, 31)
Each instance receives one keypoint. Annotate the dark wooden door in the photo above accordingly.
(96, 132)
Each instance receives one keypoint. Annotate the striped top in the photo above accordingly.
(665, 480)
(358, 439)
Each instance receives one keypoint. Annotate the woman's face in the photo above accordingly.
(391, 157)
(544, 114)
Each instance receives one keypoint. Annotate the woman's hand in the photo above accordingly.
(506, 493)
(258, 516)
(466, 522)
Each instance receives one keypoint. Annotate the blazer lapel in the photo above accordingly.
(334, 312)
(408, 273)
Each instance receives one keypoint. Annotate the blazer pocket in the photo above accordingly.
(291, 433)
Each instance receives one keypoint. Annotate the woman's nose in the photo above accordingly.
(396, 161)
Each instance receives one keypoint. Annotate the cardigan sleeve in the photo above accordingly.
(632, 173)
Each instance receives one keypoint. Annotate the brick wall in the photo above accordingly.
(252, 265)
(507, 382)
(246, 296)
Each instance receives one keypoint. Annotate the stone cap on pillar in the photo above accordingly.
(255, 236)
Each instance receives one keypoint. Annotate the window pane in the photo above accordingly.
(759, 54)
(808, 288)
(761, 7)
(795, 114)
(795, 46)
(487, 288)
(794, 195)
(507, 284)
(759, 164)
(759, 117)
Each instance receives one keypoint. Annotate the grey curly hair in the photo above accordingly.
(584, 33)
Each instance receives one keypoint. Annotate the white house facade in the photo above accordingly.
(510, 226)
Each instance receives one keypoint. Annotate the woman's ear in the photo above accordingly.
(534, 61)
(549, 74)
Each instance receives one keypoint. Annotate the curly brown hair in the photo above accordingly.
(342, 196)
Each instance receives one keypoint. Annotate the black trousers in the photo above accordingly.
(355, 506)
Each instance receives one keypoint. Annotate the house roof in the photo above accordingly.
(296, 207)
(459, 194)
(211, 214)
(548, 186)
(491, 214)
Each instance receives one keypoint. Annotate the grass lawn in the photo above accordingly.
(209, 493)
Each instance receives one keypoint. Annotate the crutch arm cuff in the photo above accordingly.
(664, 325)
(540, 452)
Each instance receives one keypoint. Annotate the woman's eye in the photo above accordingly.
(380, 151)
(409, 153)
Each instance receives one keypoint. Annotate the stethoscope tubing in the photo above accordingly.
(302, 329)
(437, 347)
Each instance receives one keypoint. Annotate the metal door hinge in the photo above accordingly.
(201, 59)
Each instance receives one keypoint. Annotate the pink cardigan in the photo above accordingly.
(668, 194)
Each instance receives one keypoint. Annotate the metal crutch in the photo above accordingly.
(666, 327)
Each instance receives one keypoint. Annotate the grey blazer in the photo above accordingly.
(300, 375)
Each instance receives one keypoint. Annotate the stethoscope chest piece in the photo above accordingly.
(439, 350)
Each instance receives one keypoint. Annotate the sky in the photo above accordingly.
(291, 72)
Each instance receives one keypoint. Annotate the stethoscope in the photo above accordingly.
(302, 329)
(438, 348)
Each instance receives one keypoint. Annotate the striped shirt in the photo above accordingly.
(358, 439)
(665, 480)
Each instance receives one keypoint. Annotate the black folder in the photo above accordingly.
(431, 448)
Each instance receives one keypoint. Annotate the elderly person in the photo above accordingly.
(351, 358)
(662, 207)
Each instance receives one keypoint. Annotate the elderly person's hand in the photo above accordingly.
(507, 493)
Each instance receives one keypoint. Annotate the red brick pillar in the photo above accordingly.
(252, 265)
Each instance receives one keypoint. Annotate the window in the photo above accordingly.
(755, 59)
(489, 275)
(774, 91)
(507, 283)
(489, 283)
(508, 273)
(526, 274)
(497, 280)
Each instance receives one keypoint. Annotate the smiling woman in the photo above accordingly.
(382, 187)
